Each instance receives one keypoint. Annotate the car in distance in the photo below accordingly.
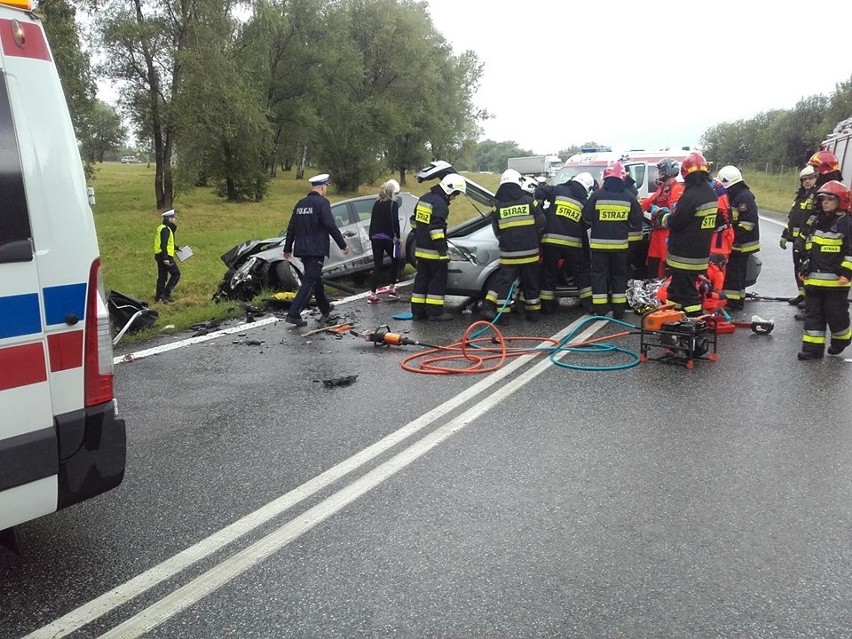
(130, 159)
(255, 265)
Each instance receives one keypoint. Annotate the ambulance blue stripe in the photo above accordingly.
(62, 301)
(19, 315)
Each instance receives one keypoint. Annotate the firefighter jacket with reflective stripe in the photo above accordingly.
(517, 221)
(164, 241)
(828, 251)
(691, 227)
(430, 225)
(611, 216)
(564, 224)
(744, 219)
(803, 205)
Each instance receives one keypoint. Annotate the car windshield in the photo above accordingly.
(568, 172)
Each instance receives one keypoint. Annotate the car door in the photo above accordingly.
(337, 261)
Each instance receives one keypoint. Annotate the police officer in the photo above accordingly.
(611, 213)
(691, 226)
(308, 232)
(800, 211)
(565, 240)
(517, 220)
(746, 233)
(168, 272)
(827, 271)
(430, 236)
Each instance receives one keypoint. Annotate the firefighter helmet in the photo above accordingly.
(729, 175)
(837, 190)
(808, 171)
(585, 179)
(693, 162)
(511, 176)
(454, 183)
(667, 168)
(616, 170)
(824, 162)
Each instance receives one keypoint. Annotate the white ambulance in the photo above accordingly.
(60, 438)
(839, 142)
(640, 165)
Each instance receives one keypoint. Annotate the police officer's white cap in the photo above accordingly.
(169, 213)
(319, 180)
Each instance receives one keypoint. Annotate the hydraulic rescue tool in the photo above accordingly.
(682, 339)
(382, 336)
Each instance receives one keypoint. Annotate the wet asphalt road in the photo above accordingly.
(647, 502)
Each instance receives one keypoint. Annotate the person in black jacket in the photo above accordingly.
(430, 236)
(384, 237)
(308, 239)
(612, 214)
(745, 221)
(565, 243)
(826, 273)
(517, 221)
(800, 211)
(691, 226)
(168, 272)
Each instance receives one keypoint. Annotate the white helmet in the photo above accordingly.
(454, 183)
(511, 176)
(808, 171)
(585, 179)
(393, 185)
(729, 175)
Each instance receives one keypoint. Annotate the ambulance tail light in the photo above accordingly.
(98, 341)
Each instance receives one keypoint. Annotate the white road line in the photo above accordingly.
(156, 350)
(773, 220)
(216, 577)
(123, 593)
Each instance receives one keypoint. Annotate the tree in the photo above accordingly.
(105, 132)
(493, 156)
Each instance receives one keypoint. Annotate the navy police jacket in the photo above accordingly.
(310, 227)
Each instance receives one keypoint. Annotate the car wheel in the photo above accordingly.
(285, 276)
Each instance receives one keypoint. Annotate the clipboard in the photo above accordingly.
(183, 253)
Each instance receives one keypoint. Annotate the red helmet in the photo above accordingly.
(616, 170)
(824, 162)
(836, 189)
(692, 163)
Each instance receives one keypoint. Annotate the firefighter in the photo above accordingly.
(691, 226)
(611, 213)
(746, 233)
(828, 167)
(565, 242)
(518, 220)
(800, 212)
(666, 196)
(826, 273)
(430, 218)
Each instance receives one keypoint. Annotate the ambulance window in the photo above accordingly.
(637, 172)
(15, 230)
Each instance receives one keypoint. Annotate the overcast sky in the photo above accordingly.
(638, 74)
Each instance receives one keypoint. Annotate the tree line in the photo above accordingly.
(228, 92)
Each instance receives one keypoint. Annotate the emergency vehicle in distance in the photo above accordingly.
(640, 165)
(61, 441)
(839, 142)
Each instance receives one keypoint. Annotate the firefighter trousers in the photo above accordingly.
(430, 285)
(572, 261)
(735, 279)
(609, 281)
(826, 306)
(498, 294)
(683, 292)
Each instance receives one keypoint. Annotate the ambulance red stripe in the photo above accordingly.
(22, 366)
(65, 350)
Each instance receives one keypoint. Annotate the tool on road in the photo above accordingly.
(757, 325)
(340, 329)
(382, 336)
(682, 339)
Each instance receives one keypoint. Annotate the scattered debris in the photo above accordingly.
(338, 381)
